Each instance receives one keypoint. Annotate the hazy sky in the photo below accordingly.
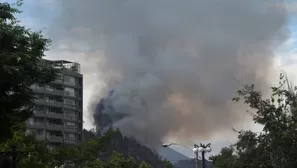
(39, 14)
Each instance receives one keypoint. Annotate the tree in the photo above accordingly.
(116, 161)
(95, 164)
(226, 158)
(167, 164)
(33, 153)
(130, 162)
(144, 165)
(21, 66)
(275, 146)
(82, 155)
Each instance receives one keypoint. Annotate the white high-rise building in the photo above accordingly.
(58, 117)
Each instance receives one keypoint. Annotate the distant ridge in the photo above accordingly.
(171, 155)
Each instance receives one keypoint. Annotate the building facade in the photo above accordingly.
(58, 116)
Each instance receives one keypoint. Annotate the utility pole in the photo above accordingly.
(195, 150)
(203, 149)
(203, 159)
(196, 160)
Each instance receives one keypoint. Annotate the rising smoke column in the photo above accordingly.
(171, 63)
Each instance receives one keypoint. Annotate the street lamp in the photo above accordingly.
(203, 149)
(195, 150)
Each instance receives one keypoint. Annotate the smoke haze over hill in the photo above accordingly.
(170, 63)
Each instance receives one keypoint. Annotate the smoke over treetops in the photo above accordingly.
(170, 63)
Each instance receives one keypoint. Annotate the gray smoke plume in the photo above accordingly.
(171, 63)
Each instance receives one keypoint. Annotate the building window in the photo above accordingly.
(40, 132)
(39, 96)
(59, 77)
(70, 125)
(70, 137)
(49, 88)
(69, 91)
(30, 132)
(70, 114)
(39, 109)
(38, 86)
(53, 110)
(35, 121)
(30, 121)
(70, 80)
(70, 103)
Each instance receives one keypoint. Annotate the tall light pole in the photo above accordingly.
(195, 150)
(203, 149)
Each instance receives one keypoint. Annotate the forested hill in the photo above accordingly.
(128, 146)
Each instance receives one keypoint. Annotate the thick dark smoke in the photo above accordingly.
(171, 63)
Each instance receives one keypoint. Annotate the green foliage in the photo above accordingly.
(130, 162)
(83, 155)
(225, 159)
(275, 146)
(167, 164)
(95, 164)
(118, 160)
(144, 165)
(33, 153)
(21, 65)
(115, 161)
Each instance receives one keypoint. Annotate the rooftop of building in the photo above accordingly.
(64, 64)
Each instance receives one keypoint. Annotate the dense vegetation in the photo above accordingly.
(129, 147)
(97, 152)
(21, 66)
(275, 146)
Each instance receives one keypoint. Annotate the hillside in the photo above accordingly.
(128, 146)
(171, 155)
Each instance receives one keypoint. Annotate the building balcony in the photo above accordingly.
(55, 115)
(70, 106)
(36, 125)
(58, 81)
(70, 117)
(39, 113)
(37, 89)
(69, 95)
(55, 139)
(40, 101)
(57, 127)
(70, 129)
(49, 102)
(54, 103)
(69, 84)
(53, 91)
(70, 141)
(40, 137)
